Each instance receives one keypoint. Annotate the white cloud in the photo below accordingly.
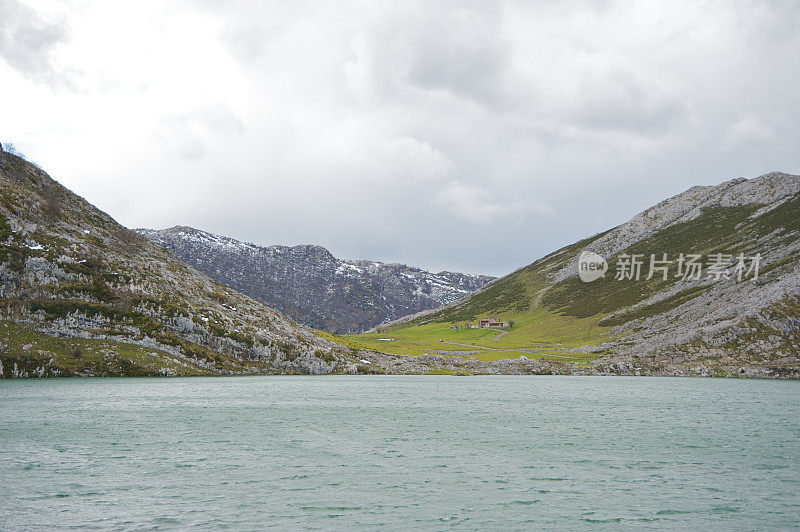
(191, 134)
(747, 129)
(373, 127)
(475, 204)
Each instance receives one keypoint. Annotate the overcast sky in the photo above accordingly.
(471, 136)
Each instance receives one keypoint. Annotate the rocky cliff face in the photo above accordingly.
(310, 285)
(80, 294)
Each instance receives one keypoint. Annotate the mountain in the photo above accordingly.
(82, 295)
(310, 285)
(726, 322)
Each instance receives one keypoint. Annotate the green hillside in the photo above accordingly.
(569, 319)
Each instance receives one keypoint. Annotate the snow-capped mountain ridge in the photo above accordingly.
(311, 285)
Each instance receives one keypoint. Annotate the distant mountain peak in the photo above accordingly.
(311, 285)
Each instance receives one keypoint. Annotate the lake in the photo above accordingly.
(408, 452)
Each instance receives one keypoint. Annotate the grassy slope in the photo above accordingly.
(551, 319)
(32, 352)
(536, 333)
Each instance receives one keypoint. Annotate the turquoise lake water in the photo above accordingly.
(402, 452)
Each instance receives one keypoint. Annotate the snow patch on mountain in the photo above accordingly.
(312, 286)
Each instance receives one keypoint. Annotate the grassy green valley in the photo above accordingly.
(537, 334)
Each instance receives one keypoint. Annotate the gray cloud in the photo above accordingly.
(617, 98)
(460, 50)
(27, 40)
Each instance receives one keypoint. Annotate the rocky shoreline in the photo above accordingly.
(617, 366)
